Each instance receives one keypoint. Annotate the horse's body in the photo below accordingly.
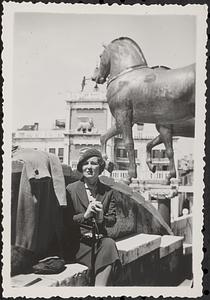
(139, 94)
(166, 94)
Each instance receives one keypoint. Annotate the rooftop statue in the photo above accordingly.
(139, 94)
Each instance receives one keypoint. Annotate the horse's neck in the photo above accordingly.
(122, 59)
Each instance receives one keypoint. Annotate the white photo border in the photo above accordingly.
(200, 11)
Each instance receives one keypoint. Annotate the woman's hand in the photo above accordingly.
(94, 209)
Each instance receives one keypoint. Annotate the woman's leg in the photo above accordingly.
(102, 277)
(106, 255)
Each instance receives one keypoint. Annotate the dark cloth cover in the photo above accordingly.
(39, 165)
(39, 218)
(53, 265)
(38, 198)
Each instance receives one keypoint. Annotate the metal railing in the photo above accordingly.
(119, 174)
(159, 175)
(39, 134)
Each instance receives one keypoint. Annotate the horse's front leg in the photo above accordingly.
(106, 136)
(124, 121)
(103, 140)
(167, 137)
(156, 141)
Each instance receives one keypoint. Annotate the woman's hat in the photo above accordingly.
(88, 153)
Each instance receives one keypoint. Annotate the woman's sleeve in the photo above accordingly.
(71, 231)
(78, 217)
(110, 217)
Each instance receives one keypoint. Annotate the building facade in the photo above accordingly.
(51, 141)
(87, 118)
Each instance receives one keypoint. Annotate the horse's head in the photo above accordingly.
(101, 72)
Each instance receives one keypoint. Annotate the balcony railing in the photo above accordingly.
(39, 134)
(122, 174)
(160, 159)
(139, 136)
(159, 175)
(118, 174)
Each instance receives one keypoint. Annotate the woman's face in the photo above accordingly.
(91, 168)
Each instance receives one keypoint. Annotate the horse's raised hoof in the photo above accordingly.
(109, 166)
(153, 169)
(174, 181)
(104, 156)
(170, 180)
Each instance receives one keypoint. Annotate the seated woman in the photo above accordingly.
(93, 201)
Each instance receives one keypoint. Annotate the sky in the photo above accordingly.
(53, 51)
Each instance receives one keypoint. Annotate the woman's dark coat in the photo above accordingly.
(77, 200)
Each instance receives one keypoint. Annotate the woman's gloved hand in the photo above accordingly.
(95, 209)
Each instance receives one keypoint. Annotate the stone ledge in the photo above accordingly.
(187, 249)
(73, 275)
(136, 246)
(65, 278)
(130, 249)
(169, 244)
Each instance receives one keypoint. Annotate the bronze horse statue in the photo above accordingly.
(166, 133)
(138, 94)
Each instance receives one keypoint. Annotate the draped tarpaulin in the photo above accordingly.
(38, 196)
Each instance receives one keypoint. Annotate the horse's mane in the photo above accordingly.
(130, 41)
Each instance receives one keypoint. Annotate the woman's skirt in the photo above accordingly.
(105, 253)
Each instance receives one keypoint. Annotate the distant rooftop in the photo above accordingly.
(59, 124)
(35, 126)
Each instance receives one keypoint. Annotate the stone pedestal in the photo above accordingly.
(163, 195)
(164, 208)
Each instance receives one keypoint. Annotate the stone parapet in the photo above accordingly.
(71, 276)
(169, 244)
(137, 246)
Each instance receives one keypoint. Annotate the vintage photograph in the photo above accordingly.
(104, 130)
